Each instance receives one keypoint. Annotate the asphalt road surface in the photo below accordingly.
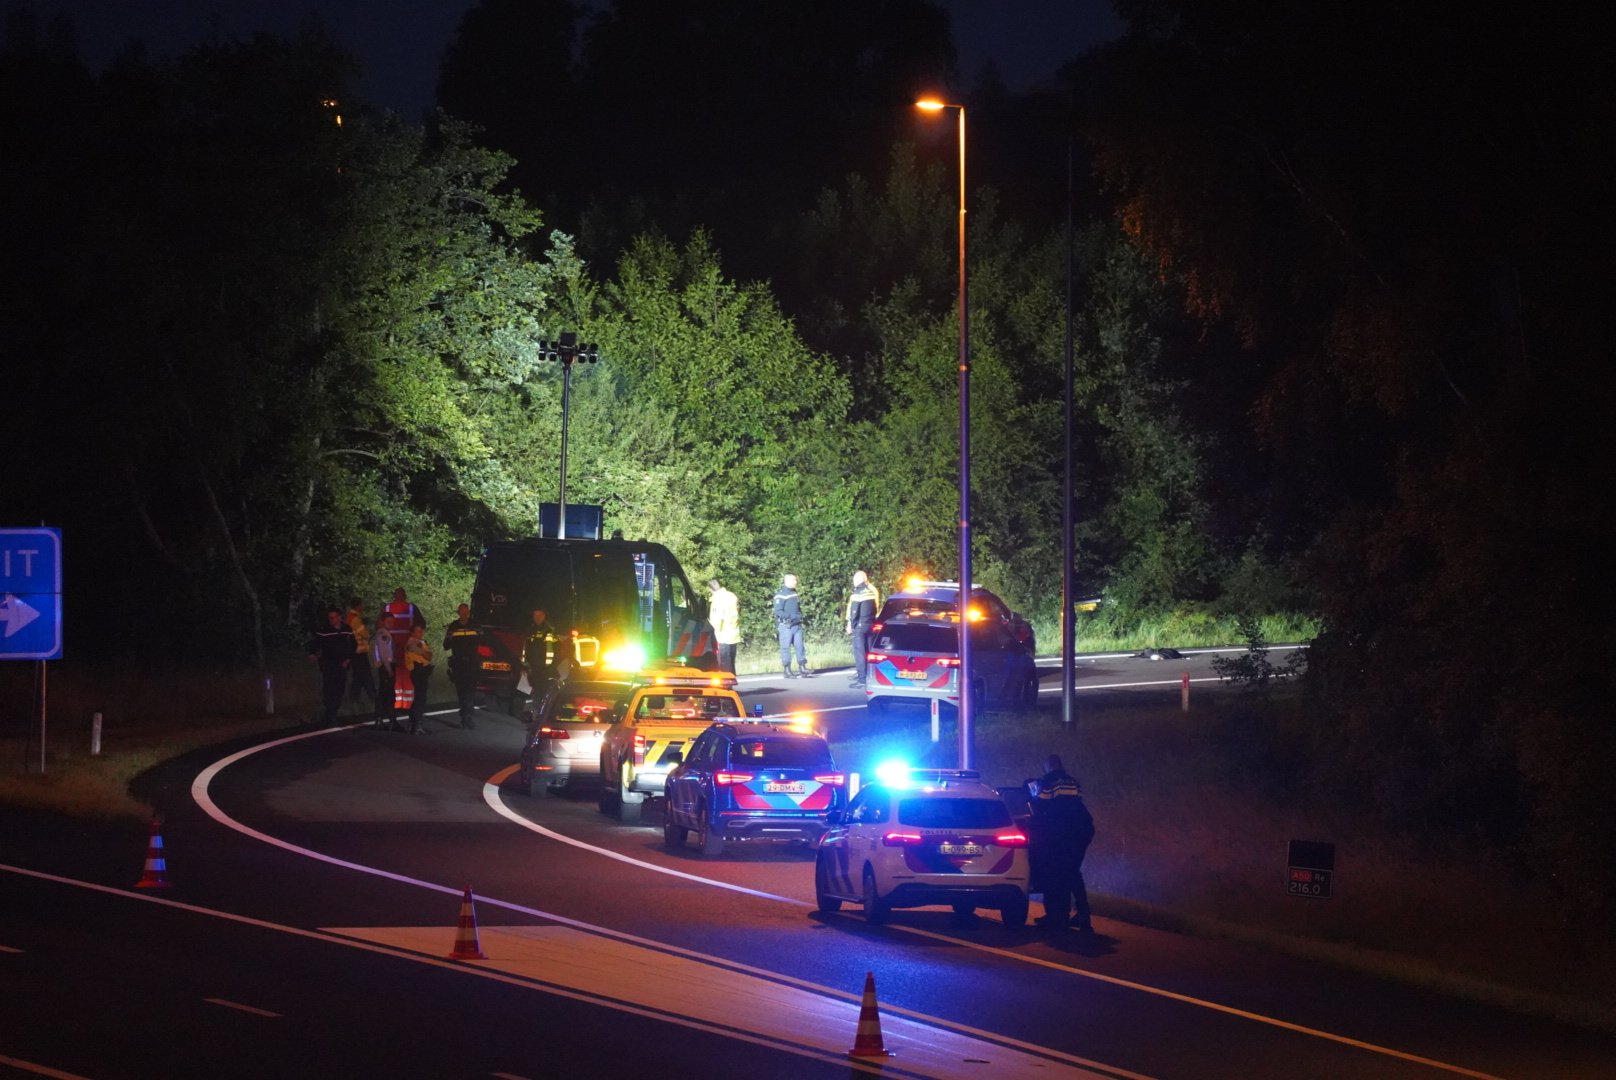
(315, 893)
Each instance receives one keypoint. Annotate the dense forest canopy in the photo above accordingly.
(1337, 333)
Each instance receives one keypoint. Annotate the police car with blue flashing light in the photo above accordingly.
(918, 837)
(752, 780)
(913, 651)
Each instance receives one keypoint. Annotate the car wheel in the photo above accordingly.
(608, 798)
(1014, 912)
(828, 905)
(673, 835)
(539, 789)
(627, 812)
(524, 777)
(1029, 691)
(876, 909)
(712, 841)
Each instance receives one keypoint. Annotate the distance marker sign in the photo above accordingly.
(30, 594)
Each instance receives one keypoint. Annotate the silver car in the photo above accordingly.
(564, 733)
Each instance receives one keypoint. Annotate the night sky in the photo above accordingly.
(401, 41)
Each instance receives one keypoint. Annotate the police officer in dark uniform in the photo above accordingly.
(862, 605)
(332, 647)
(1061, 832)
(538, 656)
(460, 642)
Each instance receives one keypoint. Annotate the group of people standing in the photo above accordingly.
(391, 663)
(724, 613)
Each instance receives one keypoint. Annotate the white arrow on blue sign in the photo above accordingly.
(30, 594)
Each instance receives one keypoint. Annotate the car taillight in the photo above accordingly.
(724, 779)
(876, 657)
(484, 650)
(553, 733)
(947, 661)
(835, 779)
(639, 749)
(1011, 839)
(875, 627)
(901, 839)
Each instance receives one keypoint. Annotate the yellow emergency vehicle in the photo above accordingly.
(666, 713)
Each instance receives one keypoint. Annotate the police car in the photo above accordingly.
(757, 780)
(913, 655)
(921, 837)
(923, 598)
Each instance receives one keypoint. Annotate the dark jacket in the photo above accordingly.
(787, 608)
(333, 646)
(460, 641)
(862, 604)
(1059, 814)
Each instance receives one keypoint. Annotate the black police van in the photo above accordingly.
(611, 592)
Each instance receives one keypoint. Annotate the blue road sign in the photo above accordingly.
(30, 594)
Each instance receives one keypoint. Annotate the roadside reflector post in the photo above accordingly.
(936, 720)
(1184, 692)
(95, 735)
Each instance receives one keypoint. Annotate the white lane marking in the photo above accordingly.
(603, 968)
(458, 966)
(496, 804)
(38, 1069)
(491, 794)
(199, 792)
(8, 948)
(243, 1008)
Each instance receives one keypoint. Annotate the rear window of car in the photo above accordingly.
(781, 752)
(918, 638)
(918, 605)
(585, 707)
(678, 704)
(953, 813)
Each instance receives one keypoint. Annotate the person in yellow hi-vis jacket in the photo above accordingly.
(418, 665)
(362, 686)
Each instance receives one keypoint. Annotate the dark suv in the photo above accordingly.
(759, 780)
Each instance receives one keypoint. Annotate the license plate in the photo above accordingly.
(784, 787)
(959, 849)
(916, 675)
(495, 665)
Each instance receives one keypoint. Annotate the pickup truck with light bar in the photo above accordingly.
(666, 714)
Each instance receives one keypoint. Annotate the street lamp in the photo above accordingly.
(567, 351)
(967, 752)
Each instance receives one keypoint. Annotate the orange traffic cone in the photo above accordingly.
(155, 876)
(867, 1043)
(466, 936)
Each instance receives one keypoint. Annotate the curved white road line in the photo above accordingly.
(199, 792)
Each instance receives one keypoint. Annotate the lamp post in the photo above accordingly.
(567, 351)
(967, 742)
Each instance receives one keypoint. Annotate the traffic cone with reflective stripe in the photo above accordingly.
(466, 936)
(867, 1043)
(155, 876)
